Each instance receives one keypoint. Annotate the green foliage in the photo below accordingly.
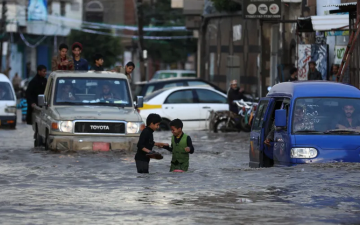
(168, 51)
(226, 6)
(109, 46)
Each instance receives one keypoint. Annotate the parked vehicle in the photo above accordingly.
(7, 103)
(227, 121)
(164, 74)
(190, 104)
(146, 88)
(321, 125)
(87, 111)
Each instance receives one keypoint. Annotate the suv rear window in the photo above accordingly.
(153, 95)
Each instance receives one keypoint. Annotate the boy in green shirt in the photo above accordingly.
(181, 147)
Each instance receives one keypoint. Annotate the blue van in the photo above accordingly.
(306, 122)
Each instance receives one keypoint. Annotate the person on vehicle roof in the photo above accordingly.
(129, 68)
(36, 87)
(234, 93)
(313, 73)
(62, 61)
(79, 63)
(98, 62)
(349, 121)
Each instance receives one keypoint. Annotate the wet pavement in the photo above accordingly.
(39, 187)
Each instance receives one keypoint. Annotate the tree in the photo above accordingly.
(109, 46)
(168, 51)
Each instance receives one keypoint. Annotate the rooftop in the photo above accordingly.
(314, 89)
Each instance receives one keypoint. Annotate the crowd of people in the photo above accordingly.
(314, 74)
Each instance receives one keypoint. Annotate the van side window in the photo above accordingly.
(259, 117)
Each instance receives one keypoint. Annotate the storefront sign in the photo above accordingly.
(262, 9)
(339, 54)
(337, 33)
(37, 10)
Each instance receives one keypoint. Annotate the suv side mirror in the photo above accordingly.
(41, 100)
(280, 118)
(140, 102)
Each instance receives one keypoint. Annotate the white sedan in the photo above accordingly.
(190, 104)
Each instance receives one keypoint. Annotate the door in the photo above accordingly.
(44, 116)
(209, 100)
(257, 132)
(182, 105)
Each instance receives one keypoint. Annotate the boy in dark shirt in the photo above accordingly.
(181, 147)
(98, 62)
(146, 143)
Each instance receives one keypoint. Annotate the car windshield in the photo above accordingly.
(92, 91)
(326, 116)
(153, 95)
(6, 93)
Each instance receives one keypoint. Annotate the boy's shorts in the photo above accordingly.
(23, 118)
(179, 166)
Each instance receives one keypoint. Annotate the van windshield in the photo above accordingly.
(326, 116)
(92, 91)
(6, 93)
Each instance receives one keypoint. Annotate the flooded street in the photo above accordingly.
(39, 187)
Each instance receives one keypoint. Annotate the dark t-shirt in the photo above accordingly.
(146, 140)
(343, 121)
(292, 79)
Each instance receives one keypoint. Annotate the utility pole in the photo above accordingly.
(140, 22)
(2, 29)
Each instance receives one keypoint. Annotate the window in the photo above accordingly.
(206, 96)
(6, 93)
(197, 83)
(62, 8)
(188, 75)
(94, 12)
(149, 90)
(92, 91)
(260, 113)
(177, 84)
(329, 115)
(181, 97)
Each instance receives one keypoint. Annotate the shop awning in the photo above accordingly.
(330, 22)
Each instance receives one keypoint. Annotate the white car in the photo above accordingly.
(190, 104)
(7, 103)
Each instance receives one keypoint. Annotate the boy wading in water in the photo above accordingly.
(181, 147)
(146, 143)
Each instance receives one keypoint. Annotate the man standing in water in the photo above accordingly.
(235, 93)
(36, 87)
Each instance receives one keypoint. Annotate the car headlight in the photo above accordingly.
(133, 128)
(303, 153)
(10, 109)
(66, 126)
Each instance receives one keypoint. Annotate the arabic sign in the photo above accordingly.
(37, 10)
(339, 54)
(262, 9)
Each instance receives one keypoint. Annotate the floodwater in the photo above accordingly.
(38, 187)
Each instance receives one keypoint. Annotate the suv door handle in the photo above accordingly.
(206, 107)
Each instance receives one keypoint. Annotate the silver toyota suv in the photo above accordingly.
(87, 111)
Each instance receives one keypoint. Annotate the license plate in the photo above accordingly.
(101, 146)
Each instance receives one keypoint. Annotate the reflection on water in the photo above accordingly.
(37, 187)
